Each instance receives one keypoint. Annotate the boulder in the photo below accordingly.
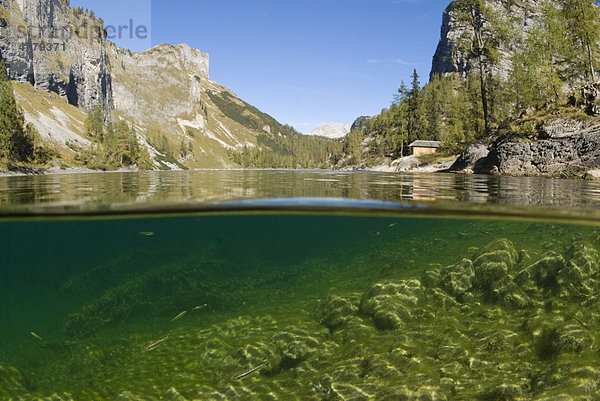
(391, 304)
(457, 279)
(474, 158)
(335, 312)
(493, 263)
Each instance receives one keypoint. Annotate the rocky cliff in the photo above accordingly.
(167, 90)
(448, 58)
(56, 49)
(183, 119)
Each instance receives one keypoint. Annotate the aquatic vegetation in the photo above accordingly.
(503, 318)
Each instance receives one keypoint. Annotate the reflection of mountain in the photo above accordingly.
(469, 193)
(165, 91)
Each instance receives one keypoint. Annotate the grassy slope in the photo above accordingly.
(57, 121)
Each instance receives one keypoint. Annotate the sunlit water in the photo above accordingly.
(204, 286)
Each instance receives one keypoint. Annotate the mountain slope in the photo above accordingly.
(166, 90)
(181, 117)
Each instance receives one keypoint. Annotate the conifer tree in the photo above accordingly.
(432, 104)
(94, 124)
(400, 119)
(414, 115)
(16, 140)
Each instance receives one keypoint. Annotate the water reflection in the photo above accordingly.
(97, 191)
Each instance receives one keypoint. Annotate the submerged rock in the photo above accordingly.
(390, 304)
(578, 275)
(544, 273)
(551, 341)
(504, 392)
(173, 395)
(457, 279)
(493, 263)
(421, 394)
(335, 312)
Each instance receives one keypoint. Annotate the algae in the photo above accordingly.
(505, 318)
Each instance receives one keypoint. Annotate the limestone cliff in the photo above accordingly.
(183, 119)
(56, 49)
(167, 90)
(521, 17)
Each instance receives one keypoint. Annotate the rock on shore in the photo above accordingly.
(564, 148)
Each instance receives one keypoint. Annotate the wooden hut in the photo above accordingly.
(421, 148)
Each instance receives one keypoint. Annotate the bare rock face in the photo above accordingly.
(449, 58)
(57, 49)
(165, 80)
(564, 147)
(575, 153)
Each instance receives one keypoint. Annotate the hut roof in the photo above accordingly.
(425, 144)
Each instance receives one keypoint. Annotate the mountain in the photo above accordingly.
(521, 17)
(78, 69)
(503, 71)
(331, 130)
(64, 67)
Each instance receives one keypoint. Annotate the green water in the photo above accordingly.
(333, 307)
(186, 286)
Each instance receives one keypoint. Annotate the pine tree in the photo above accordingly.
(432, 104)
(414, 120)
(94, 124)
(352, 145)
(16, 140)
(399, 120)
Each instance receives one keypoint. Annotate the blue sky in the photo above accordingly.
(304, 62)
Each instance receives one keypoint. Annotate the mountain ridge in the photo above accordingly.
(331, 130)
(181, 117)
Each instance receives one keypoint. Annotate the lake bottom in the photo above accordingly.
(298, 307)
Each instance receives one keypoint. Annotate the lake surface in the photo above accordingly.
(273, 285)
(109, 193)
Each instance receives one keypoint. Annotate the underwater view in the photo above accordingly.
(294, 304)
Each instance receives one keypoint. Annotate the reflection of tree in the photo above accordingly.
(168, 188)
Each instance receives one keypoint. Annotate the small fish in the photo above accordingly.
(484, 233)
(146, 233)
(393, 225)
(464, 234)
(200, 307)
(156, 343)
(36, 336)
(375, 233)
(248, 372)
(179, 316)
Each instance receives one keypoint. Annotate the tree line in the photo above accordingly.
(288, 149)
(113, 144)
